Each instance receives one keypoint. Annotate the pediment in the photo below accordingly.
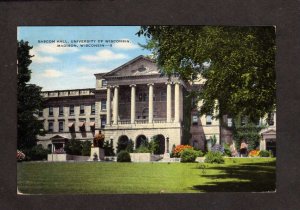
(137, 67)
(269, 132)
(58, 137)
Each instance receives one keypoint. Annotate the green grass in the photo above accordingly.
(236, 175)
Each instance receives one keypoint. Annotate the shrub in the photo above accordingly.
(199, 153)
(73, 147)
(213, 140)
(86, 148)
(227, 150)
(36, 153)
(214, 157)
(154, 145)
(125, 145)
(108, 148)
(130, 146)
(142, 149)
(123, 156)
(264, 153)
(254, 153)
(172, 151)
(188, 155)
(179, 148)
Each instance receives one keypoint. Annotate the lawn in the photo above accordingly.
(236, 175)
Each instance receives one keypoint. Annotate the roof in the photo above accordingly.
(125, 65)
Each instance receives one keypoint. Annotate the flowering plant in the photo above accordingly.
(179, 148)
(218, 148)
(20, 155)
(59, 151)
(254, 153)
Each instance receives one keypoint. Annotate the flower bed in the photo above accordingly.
(253, 153)
(20, 155)
(179, 148)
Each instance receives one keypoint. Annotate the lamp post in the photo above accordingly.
(167, 139)
(112, 141)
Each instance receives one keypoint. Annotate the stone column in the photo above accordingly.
(181, 103)
(169, 101)
(132, 111)
(116, 105)
(150, 102)
(108, 106)
(167, 145)
(177, 102)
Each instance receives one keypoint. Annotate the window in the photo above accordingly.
(229, 122)
(81, 109)
(50, 111)
(92, 124)
(143, 97)
(195, 120)
(61, 126)
(93, 109)
(71, 126)
(145, 113)
(50, 126)
(103, 121)
(208, 119)
(163, 96)
(82, 124)
(49, 147)
(103, 104)
(92, 119)
(243, 120)
(104, 83)
(71, 110)
(61, 111)
(270, 119)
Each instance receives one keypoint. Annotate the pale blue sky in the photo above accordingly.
(56, 68)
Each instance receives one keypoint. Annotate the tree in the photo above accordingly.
(30, 101)
(236, 63)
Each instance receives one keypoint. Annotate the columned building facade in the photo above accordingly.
(140, 103)
(132, 102)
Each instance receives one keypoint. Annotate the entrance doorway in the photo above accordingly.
(160, 140)
(141, 140)
(122, 143)
(271, 146)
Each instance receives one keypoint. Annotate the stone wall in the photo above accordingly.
(59, 157)
(140, 157)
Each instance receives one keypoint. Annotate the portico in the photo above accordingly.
(150, 100)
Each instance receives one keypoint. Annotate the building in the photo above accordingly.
(134, 101)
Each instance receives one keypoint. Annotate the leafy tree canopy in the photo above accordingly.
(237, 64)
(30, 100)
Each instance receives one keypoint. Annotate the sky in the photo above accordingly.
(72, 65)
